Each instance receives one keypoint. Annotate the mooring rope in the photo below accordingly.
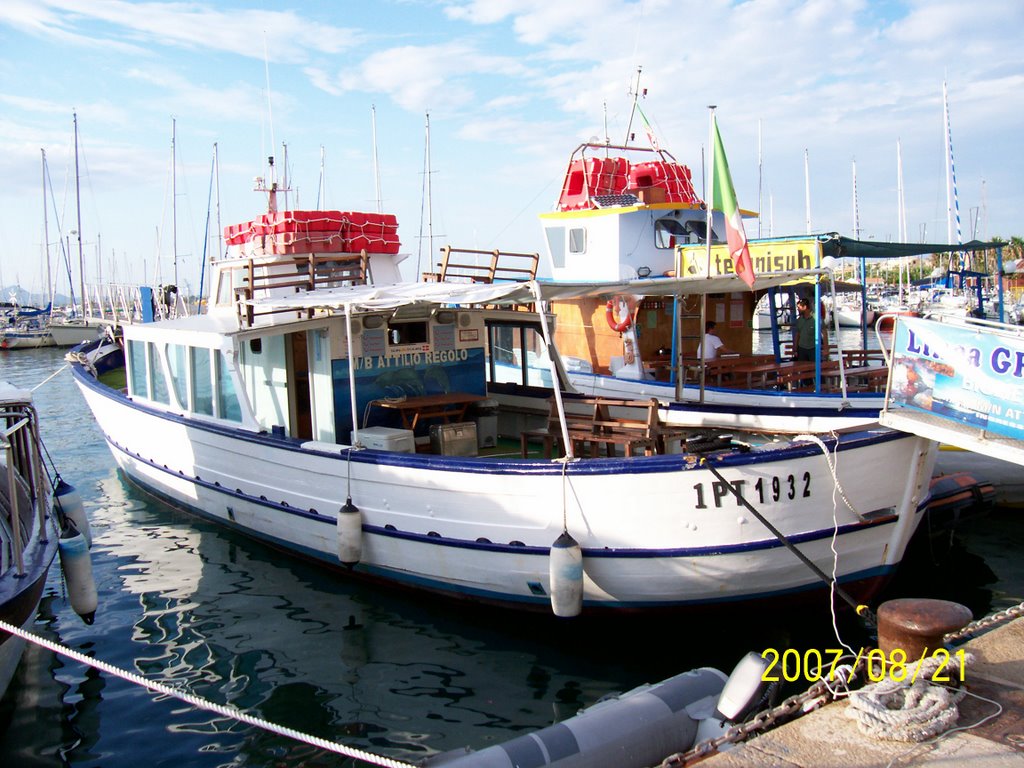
(52, 375)
(200, 703)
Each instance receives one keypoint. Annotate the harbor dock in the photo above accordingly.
(828, 737)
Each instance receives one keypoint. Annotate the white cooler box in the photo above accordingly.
(457, 439)
(387, 439)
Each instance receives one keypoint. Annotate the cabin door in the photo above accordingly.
(299, 401)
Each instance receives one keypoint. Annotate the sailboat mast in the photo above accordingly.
(856, 211)
(78, 211)
(952, 203)
(901, 215)
(321, 190)
(46, 235)
(807, 190)
(174, 203)
(376, 164)
(760, 175)
(430, 205)
(216, 176)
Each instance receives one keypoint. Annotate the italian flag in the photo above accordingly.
(724, 199)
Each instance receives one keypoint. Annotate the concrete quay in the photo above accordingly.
(827, 738)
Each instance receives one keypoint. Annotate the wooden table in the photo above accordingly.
(871, 378)
(448, 406)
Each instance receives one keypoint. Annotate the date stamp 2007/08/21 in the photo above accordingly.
(812, 665)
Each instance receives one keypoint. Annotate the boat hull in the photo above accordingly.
(25, 340)
(656, 532)
(73, 334)
(19, 601)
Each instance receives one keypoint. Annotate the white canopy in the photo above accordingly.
(372, 297)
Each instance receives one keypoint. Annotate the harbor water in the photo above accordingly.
(226, 619)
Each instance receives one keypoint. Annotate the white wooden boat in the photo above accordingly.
(630, 211)
(308, 410)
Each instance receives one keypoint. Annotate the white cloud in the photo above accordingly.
(424, 77)
(280, 35)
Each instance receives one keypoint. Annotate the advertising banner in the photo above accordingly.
(963, 374)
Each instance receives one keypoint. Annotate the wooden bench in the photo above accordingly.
(601, 422)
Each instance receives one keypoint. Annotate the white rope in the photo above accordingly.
(831, 467)
(199, 703)
(914, 708)
(52, 375)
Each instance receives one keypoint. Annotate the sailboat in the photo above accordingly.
(76, 328)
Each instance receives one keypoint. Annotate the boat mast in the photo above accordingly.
(429, 204)
(46, 235)
(376, 164)
(856, 212)
(760, 175)
(216, 176)
(952, 203)
(321, 190)
(174, 205)
(807, 190)
(78, 210)
(901, 215)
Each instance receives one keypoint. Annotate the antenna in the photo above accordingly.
(635, 93)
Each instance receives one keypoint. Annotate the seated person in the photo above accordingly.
(715, 346)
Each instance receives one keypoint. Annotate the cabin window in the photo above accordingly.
(224, 288)
(157, 378)
(669, 232)
(517, 355)
(400, 333)
(227, 399)
(202, 381)
(137, 369)
(556, 245)
(176, 365)
(577, 240)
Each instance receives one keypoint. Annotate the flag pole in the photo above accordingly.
(709, 203)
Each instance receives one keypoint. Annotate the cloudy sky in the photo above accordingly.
(511, 87)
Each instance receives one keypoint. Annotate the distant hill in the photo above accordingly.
(23, 297)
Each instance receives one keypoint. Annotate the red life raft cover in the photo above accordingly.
(291, 232)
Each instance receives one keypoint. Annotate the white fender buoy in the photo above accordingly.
(350, 534)
(68, 501)
(77, 567)
(565, 564)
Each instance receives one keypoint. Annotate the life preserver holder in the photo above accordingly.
(610, 310)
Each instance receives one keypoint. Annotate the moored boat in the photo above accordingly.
(326, 408)
(33, 525)
(614, 220)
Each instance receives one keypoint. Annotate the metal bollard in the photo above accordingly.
(917, 625)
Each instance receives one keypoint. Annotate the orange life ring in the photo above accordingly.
(613, 322)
